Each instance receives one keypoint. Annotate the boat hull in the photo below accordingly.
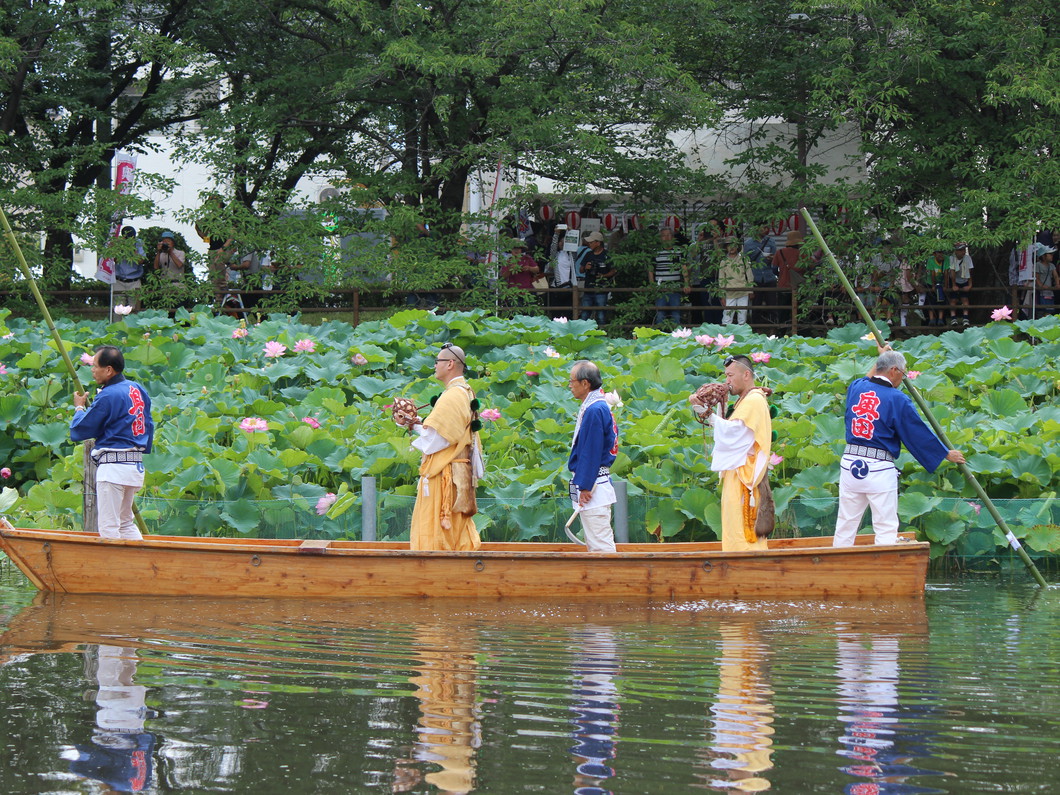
(83, 563)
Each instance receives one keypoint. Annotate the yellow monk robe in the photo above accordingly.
(434, 523)
(737, 514)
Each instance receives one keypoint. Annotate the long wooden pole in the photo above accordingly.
(71, 370)
(924, 408)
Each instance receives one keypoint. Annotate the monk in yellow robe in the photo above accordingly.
(451, 465)
(741, 454)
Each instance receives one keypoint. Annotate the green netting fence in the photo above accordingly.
(961, 522)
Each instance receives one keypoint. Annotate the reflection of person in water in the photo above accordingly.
(120, 752)
(743, 712)
(867, 667)
(596, 710)
(449, 727)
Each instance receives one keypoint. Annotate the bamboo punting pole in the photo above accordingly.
(71, 370)
(922, 403)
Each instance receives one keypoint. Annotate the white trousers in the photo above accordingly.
(737, 316)
(114, 510)
(596, 523)
(852, 505)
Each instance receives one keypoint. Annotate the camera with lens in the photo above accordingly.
(165, 247)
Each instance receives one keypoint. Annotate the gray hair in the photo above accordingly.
(587, 371)
(889, 359)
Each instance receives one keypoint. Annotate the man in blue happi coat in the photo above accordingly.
(593, 451)
(120, 422)
(880, 418)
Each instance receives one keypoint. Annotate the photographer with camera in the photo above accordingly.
(594, 265)
(169, 260)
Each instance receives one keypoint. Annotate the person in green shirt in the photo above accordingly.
(935, 286)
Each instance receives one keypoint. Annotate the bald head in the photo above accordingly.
(449, 363)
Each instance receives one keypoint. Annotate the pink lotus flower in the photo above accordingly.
(912, 374)
(774, 459)
(8, 336)
(86, 359)
(312, 423)
(562, 320)
(3, 370)
(274, 350)
(305, 346)
(705, 339)
(1004, 313)
(551, 352)
(5, 472)
(681, 333)
(761, 357)
(723, 342)
(239, 333)
(358, 359)
(325, 502)
(613, 400)
(490, 414)
(122, 309)
(532, 373)
(253, 425)
(976, 506)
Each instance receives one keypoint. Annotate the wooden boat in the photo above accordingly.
(74, 562)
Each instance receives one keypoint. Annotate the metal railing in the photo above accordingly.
(771, 310)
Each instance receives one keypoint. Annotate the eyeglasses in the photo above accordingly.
(448, 346)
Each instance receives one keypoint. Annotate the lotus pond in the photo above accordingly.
(269, 427)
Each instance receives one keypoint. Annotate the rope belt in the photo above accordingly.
(867, 452)
(120, 457)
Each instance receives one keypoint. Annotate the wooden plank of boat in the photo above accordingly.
(73, 562)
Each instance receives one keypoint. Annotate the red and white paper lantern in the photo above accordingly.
(672, 222)
(610, 221)
(547, 213)
(574, 220)
(635, 223)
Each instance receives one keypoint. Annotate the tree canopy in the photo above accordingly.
(952, 107)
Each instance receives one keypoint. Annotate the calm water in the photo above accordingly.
(958, 693)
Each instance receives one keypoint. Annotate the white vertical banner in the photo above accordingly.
(124, 168)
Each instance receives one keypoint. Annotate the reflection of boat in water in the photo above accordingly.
(418, 681)
(56, 622)
(73, 562)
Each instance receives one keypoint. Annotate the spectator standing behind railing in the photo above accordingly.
(910, 283)
(736, 282)
(701, 279)
(594, 265)
(959, 282)
(667, 274)
(169, 260)
(935, 287)
(789, 272)
(1046, 279)
(760, 251)
(129, 271)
